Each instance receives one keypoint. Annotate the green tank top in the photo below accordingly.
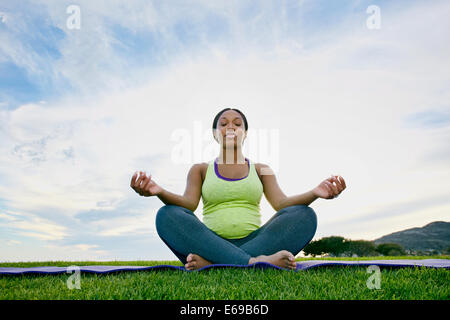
(231, 206)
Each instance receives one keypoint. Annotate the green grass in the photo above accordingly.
(336, 282)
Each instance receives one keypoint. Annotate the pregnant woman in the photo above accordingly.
(231, 187)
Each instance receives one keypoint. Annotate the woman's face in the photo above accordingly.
(230, 129)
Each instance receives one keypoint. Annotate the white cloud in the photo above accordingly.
(84, 247)
(127, 225)
(37, 227)
(13, 242)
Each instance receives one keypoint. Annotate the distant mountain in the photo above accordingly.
(433, 236)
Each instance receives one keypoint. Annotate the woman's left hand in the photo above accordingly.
(327, 190)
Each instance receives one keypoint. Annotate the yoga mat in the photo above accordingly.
(301, 265)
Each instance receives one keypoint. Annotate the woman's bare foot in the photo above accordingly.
(194, 262)
(283, 259)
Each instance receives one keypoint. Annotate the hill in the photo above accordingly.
(433, 236)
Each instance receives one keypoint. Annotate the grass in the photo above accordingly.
(336, 282)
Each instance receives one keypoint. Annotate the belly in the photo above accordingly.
(233, 223)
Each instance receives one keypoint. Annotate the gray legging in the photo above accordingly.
(291, 228)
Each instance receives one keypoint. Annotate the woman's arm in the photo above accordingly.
(171, 198)
(192, 194)
(147, 187)
(278, 200)
(326, 190)
(305, 198)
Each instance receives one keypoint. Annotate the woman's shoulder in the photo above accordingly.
(264, 168)
(258, 168)
(203, 166)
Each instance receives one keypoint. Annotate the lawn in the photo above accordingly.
(337, 282)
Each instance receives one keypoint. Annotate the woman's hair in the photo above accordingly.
(216, 119)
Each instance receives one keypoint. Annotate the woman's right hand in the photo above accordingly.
(144, 185)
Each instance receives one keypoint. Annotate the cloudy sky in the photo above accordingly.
(89, 96)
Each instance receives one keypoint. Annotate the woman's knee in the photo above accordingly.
(165, 214)
(306, 226)
(306, 216)
(170, 215)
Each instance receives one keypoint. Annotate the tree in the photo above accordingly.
(361, 248)
(314, 248)
(390, 249)
(335, 244)
(332, 245)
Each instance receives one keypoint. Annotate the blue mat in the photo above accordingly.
(302, 265)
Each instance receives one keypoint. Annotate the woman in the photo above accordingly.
(231, 187)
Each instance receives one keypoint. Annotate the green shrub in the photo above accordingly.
(390, 249)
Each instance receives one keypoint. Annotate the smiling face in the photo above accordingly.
(230, 130)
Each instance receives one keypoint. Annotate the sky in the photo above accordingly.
(90, 95)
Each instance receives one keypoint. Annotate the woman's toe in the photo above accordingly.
(192, 265)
